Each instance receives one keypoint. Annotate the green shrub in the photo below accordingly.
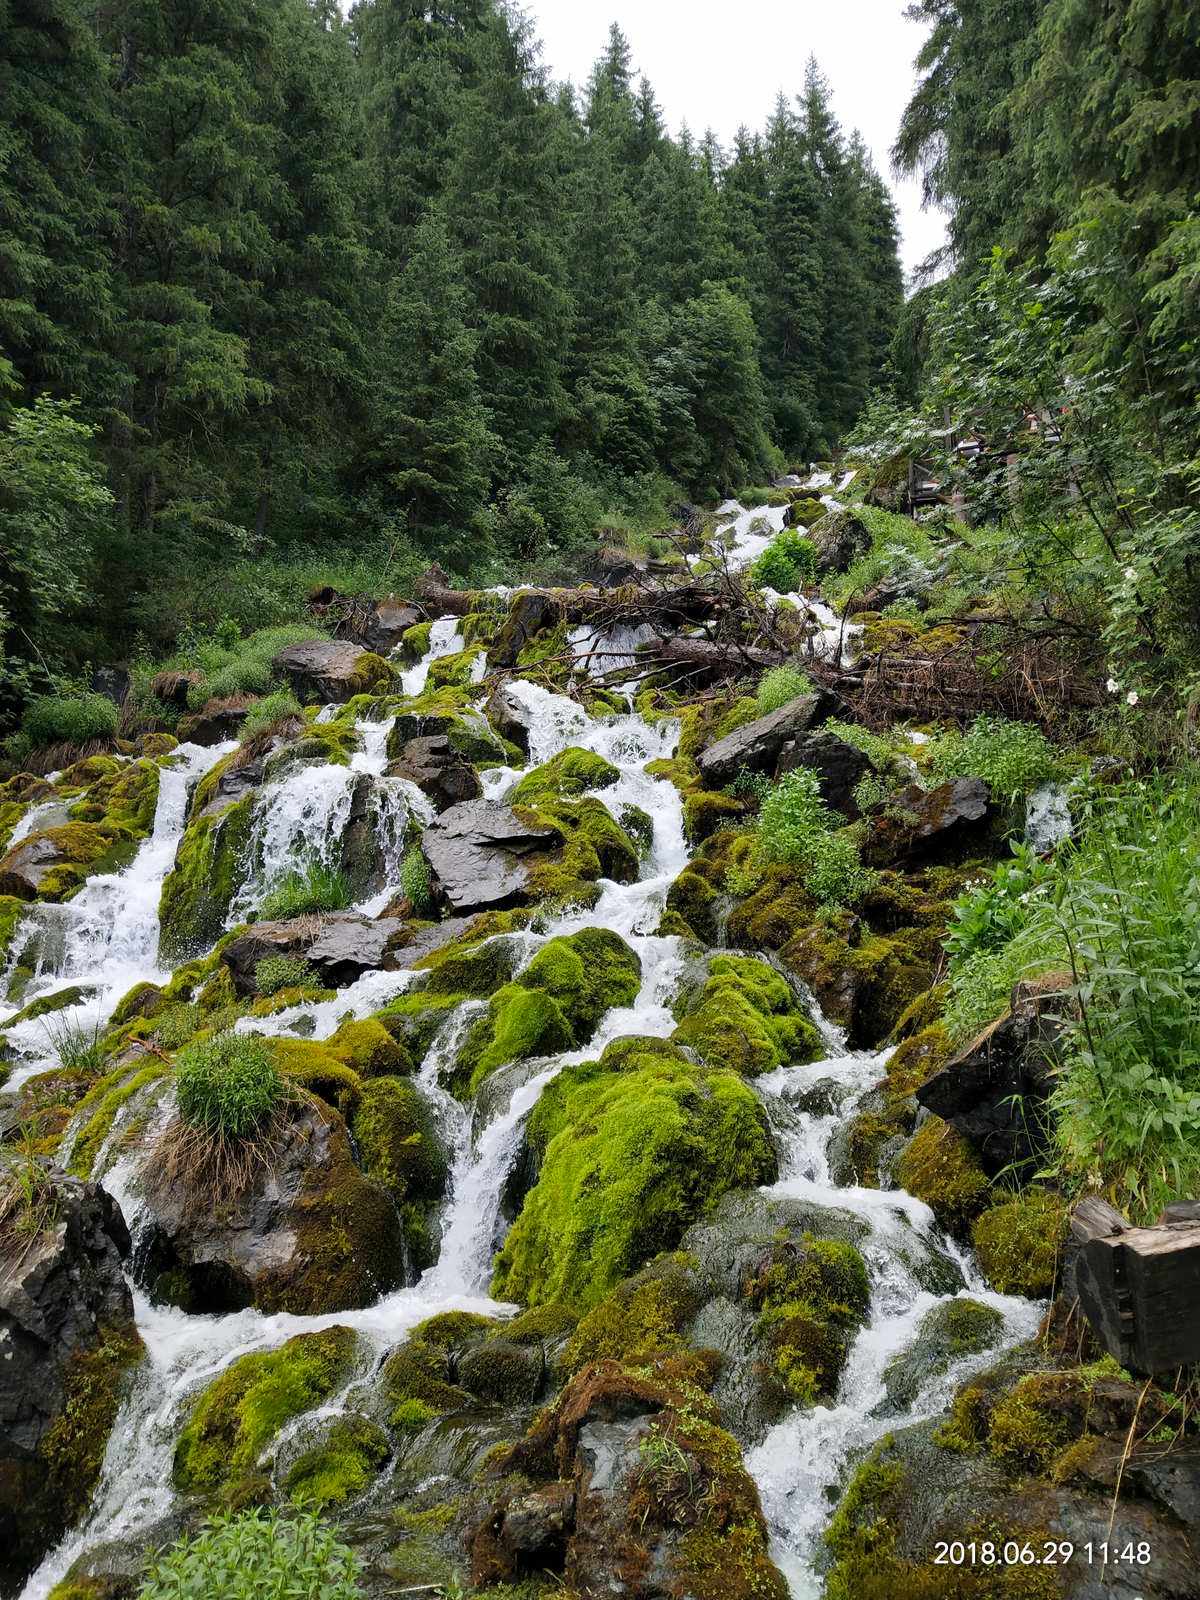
(415, 880)
(316, 887)
(227, 1084)
(778, 685)
(791, 816)
(274, 973)
(69, 719)
(255, 1555)
(233, 666)
(833, 872)
(1012, 758)
(787, 564)
(270, 709)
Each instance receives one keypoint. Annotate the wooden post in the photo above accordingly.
(1140, 1287)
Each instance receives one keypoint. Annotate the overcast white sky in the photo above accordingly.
(717, 63)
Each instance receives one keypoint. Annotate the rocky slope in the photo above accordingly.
(626, 1200)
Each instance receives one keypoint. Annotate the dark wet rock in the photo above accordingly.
(213, 723)
(921, 825)
(613, 567)
(234, 782)
(329, 670)
(67, 1339)
(469, 733)
(386, 623)
(311, 1233)
(436, 767)
(509, 717)
(172, 687)
(27, 864)
(263, 940)
(996, 1091)
(476, 851)
(820, 1099)
(757, 745)
(839, 767)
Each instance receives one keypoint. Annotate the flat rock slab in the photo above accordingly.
(348, 946)
(756, 746)
(476, 850)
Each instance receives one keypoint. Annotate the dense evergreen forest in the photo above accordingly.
(284, 286)
(599, 815)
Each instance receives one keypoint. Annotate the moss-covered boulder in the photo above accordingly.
(941, 1168)
(399, 1146)
(211, 865)
(745, 1015)
(948, 1332)
(54, 863)
(459, 1361)
(240, 1414)
(591, 845)
(1020, 1241)
(554, 1004)
(566, 776)
(336, 1466)
(627, 1159)
(667, 1507)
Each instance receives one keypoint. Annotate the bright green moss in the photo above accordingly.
(398, 1141)
(630, 1159)
(100, 1107)
(1019, 1243)
(83, 848)
(518, 1023)
(366, 1046)
(811, 1301)
(594, 846)
(641, 1318)
(242, 1411)
(414, 641)
(454, 671)
(210, 866)
(566, 776)
(468, 967)
(350, 1457)
(11, 911)
(940, 1167)
(704, 813)
(124, 799)
(694, 901)
(587, 973)
(747, 1018)
(313, 1065)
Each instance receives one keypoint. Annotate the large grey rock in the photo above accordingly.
(322, 669)
(477, 851)
(386, 623)
(757, 746)
(839, 767)
(67, 1336)
(27, 864)
(840, 537)
(348, 946)
(996, 1091)
(436, 767)
(311, 1233)
(919, 825)
(509, 717)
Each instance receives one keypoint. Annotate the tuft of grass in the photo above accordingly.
(314, 888)
(274, 973)
(787, 564)
(1013, 758)
(69, 719)
(228, 1084)
(415, 880)
(797, 828)
(78, 1045)
(273, 708)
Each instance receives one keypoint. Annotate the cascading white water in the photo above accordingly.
(444, 640)
(806, 1455)
(106, 939)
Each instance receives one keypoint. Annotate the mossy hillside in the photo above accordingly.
(554, 1003)
(941, 1168)
(398, 1143)
(211, 865)
(705, 813)
(11, 912)
(566, 776)
(240, 1413)
(746, 1017)
(630, 1159)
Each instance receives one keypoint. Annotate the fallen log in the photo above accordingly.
(644, 600)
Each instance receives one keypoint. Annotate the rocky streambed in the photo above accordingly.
(603, 1237)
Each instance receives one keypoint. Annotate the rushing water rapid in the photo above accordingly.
(109, 937)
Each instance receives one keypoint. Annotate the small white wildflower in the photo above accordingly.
(1130, 574)
(1131, 699)
(1112, 686)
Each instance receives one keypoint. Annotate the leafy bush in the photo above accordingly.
(1012, 758)
(415, 879)
(778, 685)
(796, 827)
(227, 1084)
(315, 887)
(274, 973)
(270, 709)
(787, 564)
(998, 907)
(69, 719)
(255, 1555)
